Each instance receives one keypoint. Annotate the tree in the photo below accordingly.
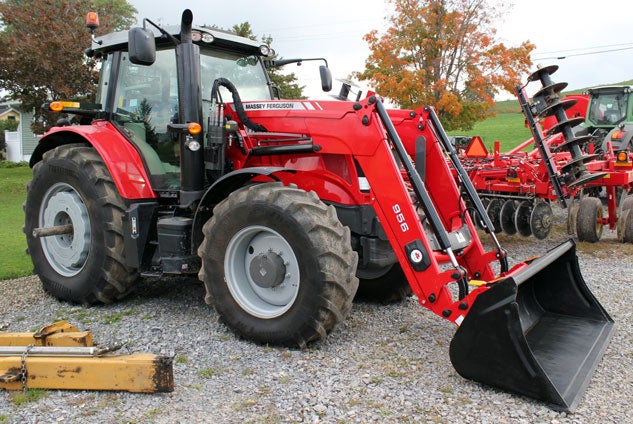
(287, 83)
(444, 53)
(42, 48)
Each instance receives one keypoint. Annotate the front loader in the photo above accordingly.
(285, 208)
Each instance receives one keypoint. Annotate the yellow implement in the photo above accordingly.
(60, 333)
(59, 356)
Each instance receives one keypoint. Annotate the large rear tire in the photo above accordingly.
(71, 185)
(278, 265)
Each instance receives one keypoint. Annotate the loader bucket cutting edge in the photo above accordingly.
(539, 332)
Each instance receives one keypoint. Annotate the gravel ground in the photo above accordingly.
(383, 364)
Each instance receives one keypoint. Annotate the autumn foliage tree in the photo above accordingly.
(444, 53)
(42, 46)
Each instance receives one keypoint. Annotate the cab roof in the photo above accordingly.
(221, 39)
(611, 89)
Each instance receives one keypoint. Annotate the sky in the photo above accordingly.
(566, 33)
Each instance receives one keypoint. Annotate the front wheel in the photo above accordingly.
(278, 265)
(72, 188)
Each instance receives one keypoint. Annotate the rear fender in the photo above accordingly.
(623, 141)
(119, 155)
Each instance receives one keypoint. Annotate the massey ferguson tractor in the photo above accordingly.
(188, 164)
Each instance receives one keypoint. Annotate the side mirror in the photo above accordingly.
(142, 46)
(326, 78)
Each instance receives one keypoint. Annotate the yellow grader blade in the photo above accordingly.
(138, 372)
(61, 357)
(60, 333)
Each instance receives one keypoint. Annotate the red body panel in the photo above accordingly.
(119, 155)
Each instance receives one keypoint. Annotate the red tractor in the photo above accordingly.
(189, 165)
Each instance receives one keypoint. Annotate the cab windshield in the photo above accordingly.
(146, 101)
(608, 108)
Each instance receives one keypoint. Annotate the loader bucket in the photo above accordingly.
(539, 332)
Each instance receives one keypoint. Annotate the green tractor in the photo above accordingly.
(610, 117)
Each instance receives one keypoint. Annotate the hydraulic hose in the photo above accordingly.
(237, 101)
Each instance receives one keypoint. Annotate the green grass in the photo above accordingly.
(27, 396)
(507, 128)
(15, 262)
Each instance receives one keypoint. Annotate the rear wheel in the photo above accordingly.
(588, 219)
(278, 265)
(72, 186)
(390, 286)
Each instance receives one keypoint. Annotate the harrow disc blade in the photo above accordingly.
(541, 220)
(536, 75)
(586, 178)
(522, 218)
(506, 217)
(566, 145)
(551, 109)
(553, 88)
(574, 162)
(561, 125)
(494, 210)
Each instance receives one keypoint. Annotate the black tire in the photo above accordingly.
(628, 226)
(390, 287)
(587, 226)
(291, 303)
(627, 203)
(71, 185)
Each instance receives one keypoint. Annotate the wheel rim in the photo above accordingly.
(262, 272)
(541, 220)
(66, 253)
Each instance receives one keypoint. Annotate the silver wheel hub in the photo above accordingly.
(267, 270)
(261, 272)
(66, 253)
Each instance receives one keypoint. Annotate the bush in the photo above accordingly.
(5, 164)
(7, 125)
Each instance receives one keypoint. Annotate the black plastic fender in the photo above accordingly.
(221, 189)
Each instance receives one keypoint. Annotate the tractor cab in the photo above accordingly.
(608, 106)
(155, 82)
(609, 118)
(142, 98)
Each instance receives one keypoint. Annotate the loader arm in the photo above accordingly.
(427, 255)
(536, 329)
